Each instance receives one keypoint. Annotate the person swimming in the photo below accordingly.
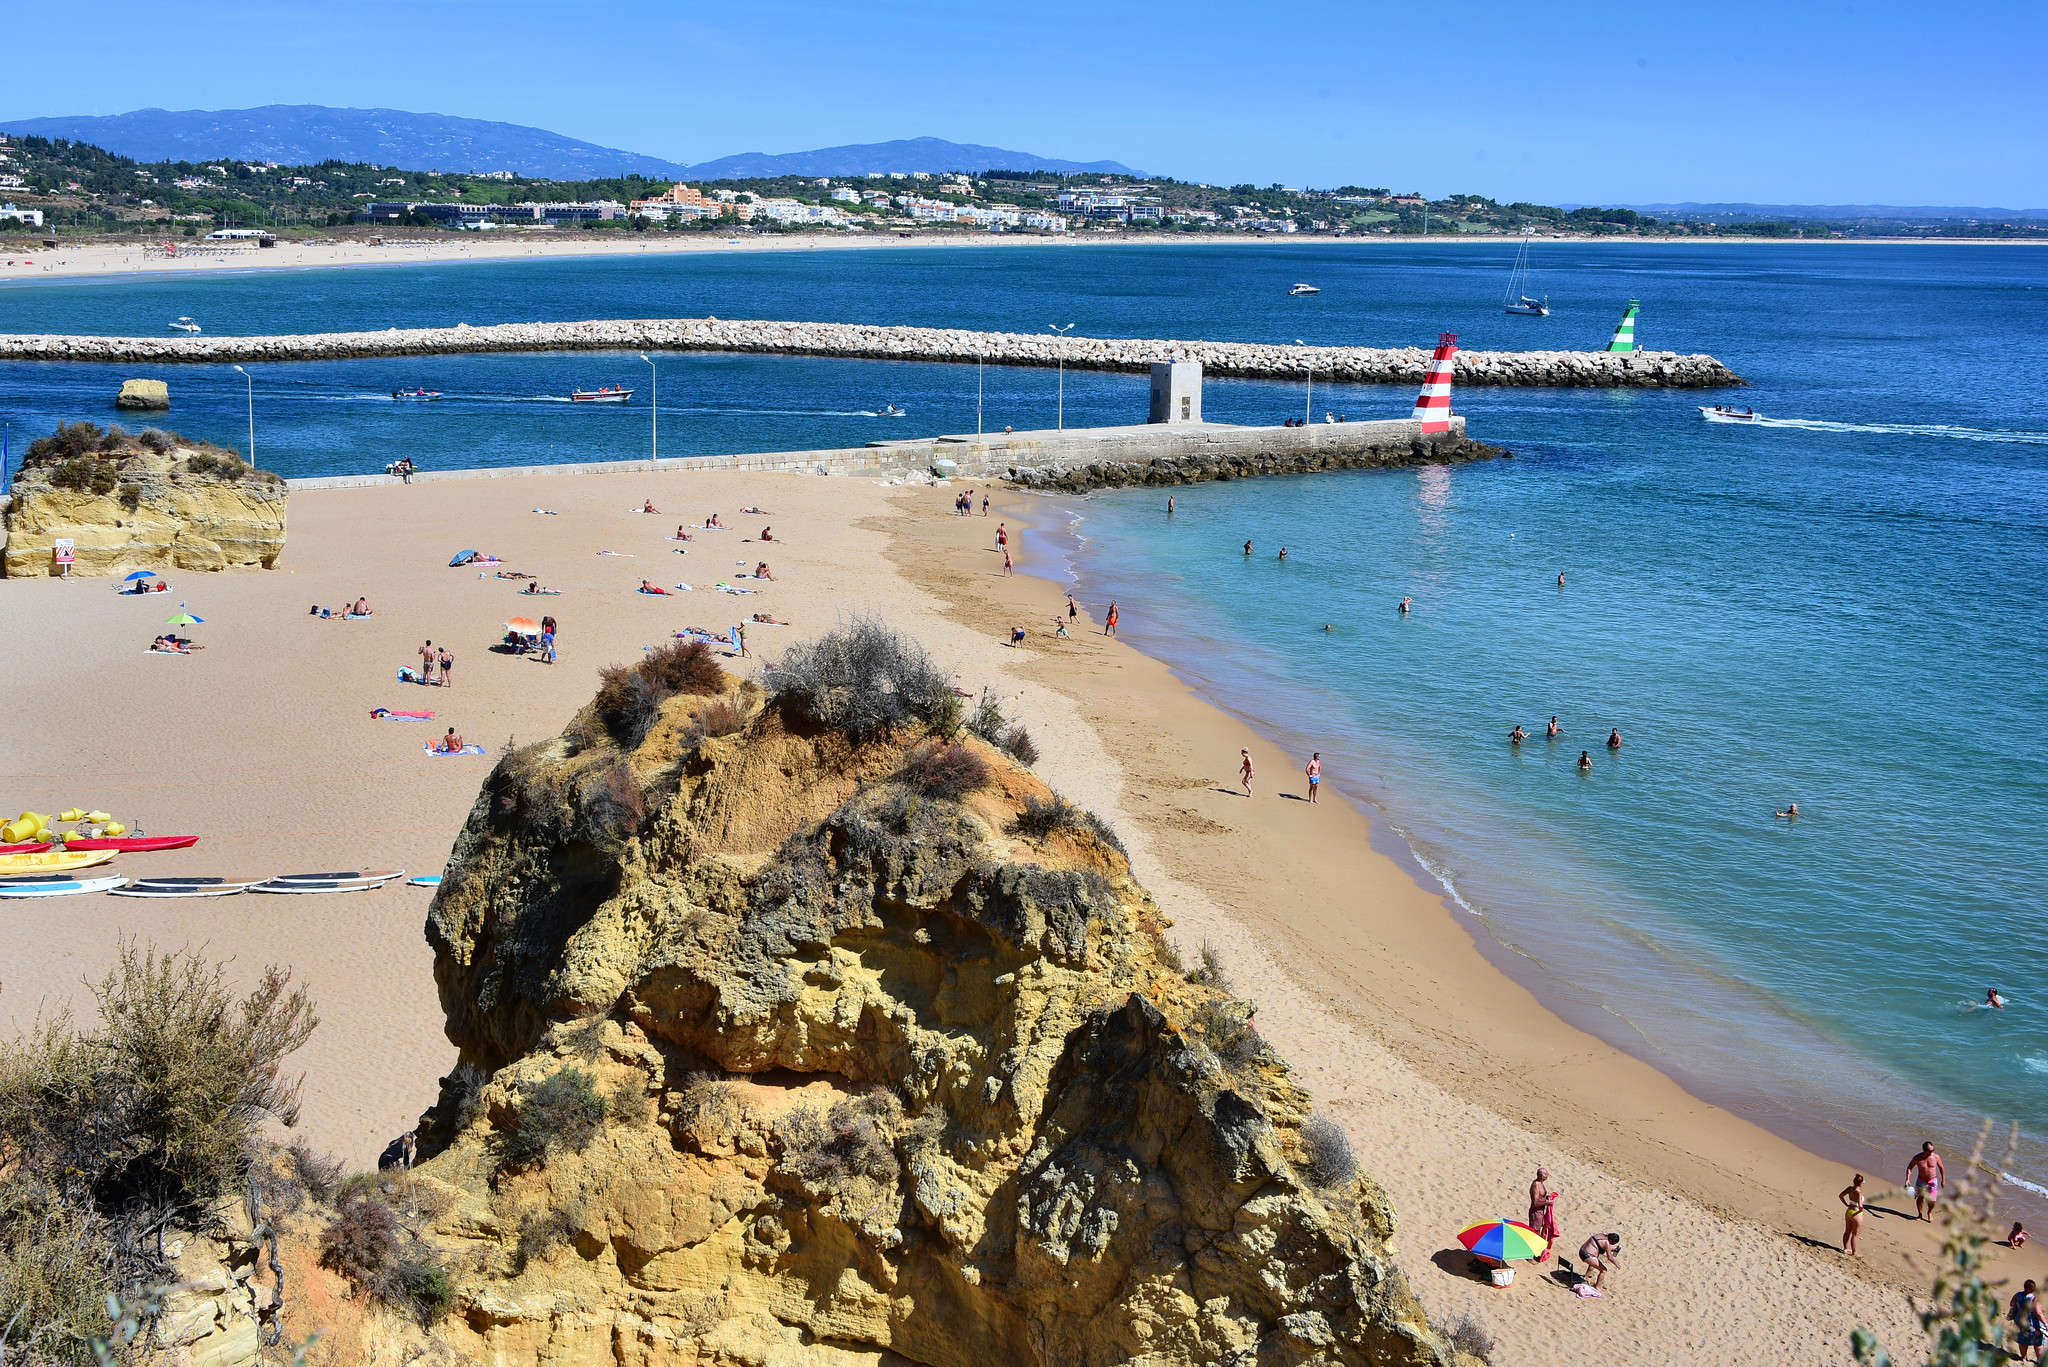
(1992, 999)
(1791, 812)
(1555, 730)
(1517, 736)
(1585, 761)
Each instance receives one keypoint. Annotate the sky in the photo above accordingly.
(1787, 102)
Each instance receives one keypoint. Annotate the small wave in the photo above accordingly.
(1902, 429)
(2034, 1187)
(2035, 1064)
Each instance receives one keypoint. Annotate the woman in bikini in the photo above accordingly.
(1851, 1198)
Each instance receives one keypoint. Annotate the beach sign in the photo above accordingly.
(62, 550)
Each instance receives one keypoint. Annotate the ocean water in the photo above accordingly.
(1838, 608)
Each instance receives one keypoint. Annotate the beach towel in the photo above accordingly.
(728, 588)
(656, 589)
(389, 714)
(686, 588)
(451, 754)
(550, 512)
(540, 593)
(627, 555)
(167, 652)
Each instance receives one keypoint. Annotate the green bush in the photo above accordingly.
(563, 1111)
(1042, 816)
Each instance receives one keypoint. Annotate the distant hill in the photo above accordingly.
(905, 154)
(1834, 213)
(304, 134)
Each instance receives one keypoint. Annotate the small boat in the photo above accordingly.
(184, 325)
(1723, 413)
(1517, 300)
(892, 411)
(611, 393)
(415, 393)
(131, 844)
(1305, 289)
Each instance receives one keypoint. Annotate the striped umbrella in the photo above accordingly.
(1503, 1239)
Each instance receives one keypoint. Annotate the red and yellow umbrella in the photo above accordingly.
(1503, 1239)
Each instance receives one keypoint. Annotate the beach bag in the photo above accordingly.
(1503, 1276)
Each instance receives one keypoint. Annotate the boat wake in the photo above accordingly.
(1893, 429)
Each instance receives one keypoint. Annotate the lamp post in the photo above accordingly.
(654, 406)
(1308, 405)
(252, 411)
(980, 359)
(1062, 331)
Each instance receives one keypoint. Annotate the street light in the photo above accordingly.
(655, 405)
(252, 411)
(1308, 405)
(980, 359)
(1062, 331)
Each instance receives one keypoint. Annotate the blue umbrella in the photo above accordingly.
(140, 574)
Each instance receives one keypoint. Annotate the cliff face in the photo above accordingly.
(896, 1068)
(144, 511)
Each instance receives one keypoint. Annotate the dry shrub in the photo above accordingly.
(563, 1111)
(865, 680)
(629, 697)
(714, 719)
(542, 1232)
(684, 667)
(612, 804)
(1211, 973)
(1326, 1152)
(629, 1104)
(1042, 816)
(948, 771)
(1465, 1335)
(988, 720)
(361, 1240)
(1227, 1027)
(1017, 744)
(856, 1138)
(318, 1174)
(585, 1038)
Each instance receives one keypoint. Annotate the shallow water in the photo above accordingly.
(1836, 608)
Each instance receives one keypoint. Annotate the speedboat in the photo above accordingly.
(415, 393)
(1305, 289)
(1723, 413)
(184, 325)
(611, 393)
(892, 411)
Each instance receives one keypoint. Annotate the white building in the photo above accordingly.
(33, 217)
(846, 194)
(794, 211)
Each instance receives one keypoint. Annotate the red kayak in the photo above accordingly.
(31, 847)
(135, 844)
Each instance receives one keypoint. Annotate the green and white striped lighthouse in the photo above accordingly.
(1625, 330)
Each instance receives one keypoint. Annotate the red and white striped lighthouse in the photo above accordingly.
(1433, 404)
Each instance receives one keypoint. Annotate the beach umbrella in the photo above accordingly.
(462, 558)
(184, 619)
(140, 574)
(1503, 1239)
(522, 624)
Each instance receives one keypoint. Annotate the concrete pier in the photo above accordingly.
(1070, 460)
(1358, 365)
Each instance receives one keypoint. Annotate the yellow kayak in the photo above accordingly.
(54, 861)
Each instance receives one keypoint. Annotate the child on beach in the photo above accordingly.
(1244, 771)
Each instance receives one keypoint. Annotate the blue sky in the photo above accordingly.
(1788, 102)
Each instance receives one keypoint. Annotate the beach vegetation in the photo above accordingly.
(628, 1103)
(629, 697)
(83, 455)
(1042, 816)
(714, 719)
(585, 1038)
(1226, 1027)
(865, 679)
(1017, 744)
(1467, 1336)
(366, 1242)
(563, 1111)
(542, 1232)
(1211, 973)
(1326, 1154)
(989, 723)
(854, 1138)
(947, 771)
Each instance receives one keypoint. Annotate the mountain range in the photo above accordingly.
(305, 134)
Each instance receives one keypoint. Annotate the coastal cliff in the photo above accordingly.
(810, 1027)
(152, 500)
(1358, 365)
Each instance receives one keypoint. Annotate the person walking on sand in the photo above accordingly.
(447, 663)
(1543, 1212)
(1109, 619)
(1925, 1173)
(984, 505)
(427, 663)
(739, 639)
(1244, 771)
(1315, 775)
(1009, 566)
(1851, 1198)
(1072, 611)
(1600, 1255)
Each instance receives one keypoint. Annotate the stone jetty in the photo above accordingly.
(1357, 365)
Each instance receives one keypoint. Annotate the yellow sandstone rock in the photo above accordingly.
(147, 394)
(147, 511)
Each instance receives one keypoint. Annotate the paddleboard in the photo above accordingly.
(53, 861)
(133, 844)
(63, 887)
(184, 890)
(356, 885)
(428, 881)
(349, 876)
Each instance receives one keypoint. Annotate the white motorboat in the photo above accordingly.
(1723, 413)
(415, 393)
(1305, 289)
(611, 393)
(184, 325)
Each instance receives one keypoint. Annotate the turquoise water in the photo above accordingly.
(1840, 609)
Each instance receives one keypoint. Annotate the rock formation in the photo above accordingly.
(1359, 365)
(784, 1043)
(153, 501)
(145, 394)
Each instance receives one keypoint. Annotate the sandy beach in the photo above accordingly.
(1452, 1079)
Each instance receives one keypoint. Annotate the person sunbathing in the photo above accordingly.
(361, 609)
(771, 621)
(648, 507)
(712, 521)
(767, 534)
(682, 535)
(451, 744)
(755, 512)
(761, 571)
(646, 587)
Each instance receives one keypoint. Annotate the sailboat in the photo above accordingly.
(1517, 300)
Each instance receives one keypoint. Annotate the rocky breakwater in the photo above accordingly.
(1198, 454)
(808, 1026)
(149, 500)
(1361, 365)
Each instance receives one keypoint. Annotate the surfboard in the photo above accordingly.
(355, 885)
(133, 844)
(53, 861)
(350, 875)
(62, 887)
(186, 887)
(432, 880)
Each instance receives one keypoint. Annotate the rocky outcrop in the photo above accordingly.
(897, 1068)
(143, 394)
(1360, 365)
(144, 510)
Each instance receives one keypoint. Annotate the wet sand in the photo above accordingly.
(1453, 1081)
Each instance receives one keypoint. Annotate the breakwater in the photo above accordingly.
(1248, 360)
